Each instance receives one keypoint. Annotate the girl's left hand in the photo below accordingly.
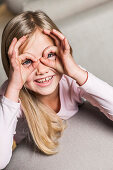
(64, 62)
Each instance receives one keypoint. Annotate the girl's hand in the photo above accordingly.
(63, 62)
(19, 67)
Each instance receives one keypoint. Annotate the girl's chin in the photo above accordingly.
(45, 92)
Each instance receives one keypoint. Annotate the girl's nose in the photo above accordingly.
(42, 69)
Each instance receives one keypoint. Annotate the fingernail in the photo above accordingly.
(54, 30)
(14, 39)
(25, 36)
(45, 30)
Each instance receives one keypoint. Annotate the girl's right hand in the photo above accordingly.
(19, 72)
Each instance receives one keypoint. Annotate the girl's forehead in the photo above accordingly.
(37, 43)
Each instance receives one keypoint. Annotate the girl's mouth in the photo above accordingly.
(44, 82)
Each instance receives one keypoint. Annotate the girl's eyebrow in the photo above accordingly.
(29, 53)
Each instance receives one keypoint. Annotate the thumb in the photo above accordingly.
(33, 66)
(48, 62)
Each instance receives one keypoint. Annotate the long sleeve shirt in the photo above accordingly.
(13, 124)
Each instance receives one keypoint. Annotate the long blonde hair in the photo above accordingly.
(44, 125)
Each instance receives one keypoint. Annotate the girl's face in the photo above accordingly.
(36, 80)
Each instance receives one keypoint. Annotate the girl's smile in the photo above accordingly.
(44, 81)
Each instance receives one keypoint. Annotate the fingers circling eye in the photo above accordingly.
(28, 62)
(50, 52)
(27, 59)
(51, 56)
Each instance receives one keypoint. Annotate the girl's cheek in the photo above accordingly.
(53, 70)
(30, 77)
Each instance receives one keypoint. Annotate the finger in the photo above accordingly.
(62, 45)
(19, 43)
(13, 62)
(66, 45)
(56, 64)
(46, 31)
(32, 66)
(50, 49)
(57, 41)
(48, 62)
(35, 64)
(61, 37)
(11, 47)
(58, 34)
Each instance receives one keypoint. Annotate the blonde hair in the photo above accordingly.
(44, 125)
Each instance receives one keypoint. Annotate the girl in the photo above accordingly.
(45, 85)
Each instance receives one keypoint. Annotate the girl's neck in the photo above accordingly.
(52, 100)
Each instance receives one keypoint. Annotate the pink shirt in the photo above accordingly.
(13, 124)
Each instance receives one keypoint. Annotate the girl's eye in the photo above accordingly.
(51, 55)
(27, 62)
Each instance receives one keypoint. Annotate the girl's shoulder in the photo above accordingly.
(66, 78)
(67, 81)
(69, 85)
(70, 89)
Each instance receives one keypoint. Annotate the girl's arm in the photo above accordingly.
(9, 106)
(96, 91)
(9, 112)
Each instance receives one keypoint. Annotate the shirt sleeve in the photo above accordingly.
(99, 94)
(9, 112)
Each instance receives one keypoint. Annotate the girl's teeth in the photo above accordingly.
(43, 80)
(48, 78)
